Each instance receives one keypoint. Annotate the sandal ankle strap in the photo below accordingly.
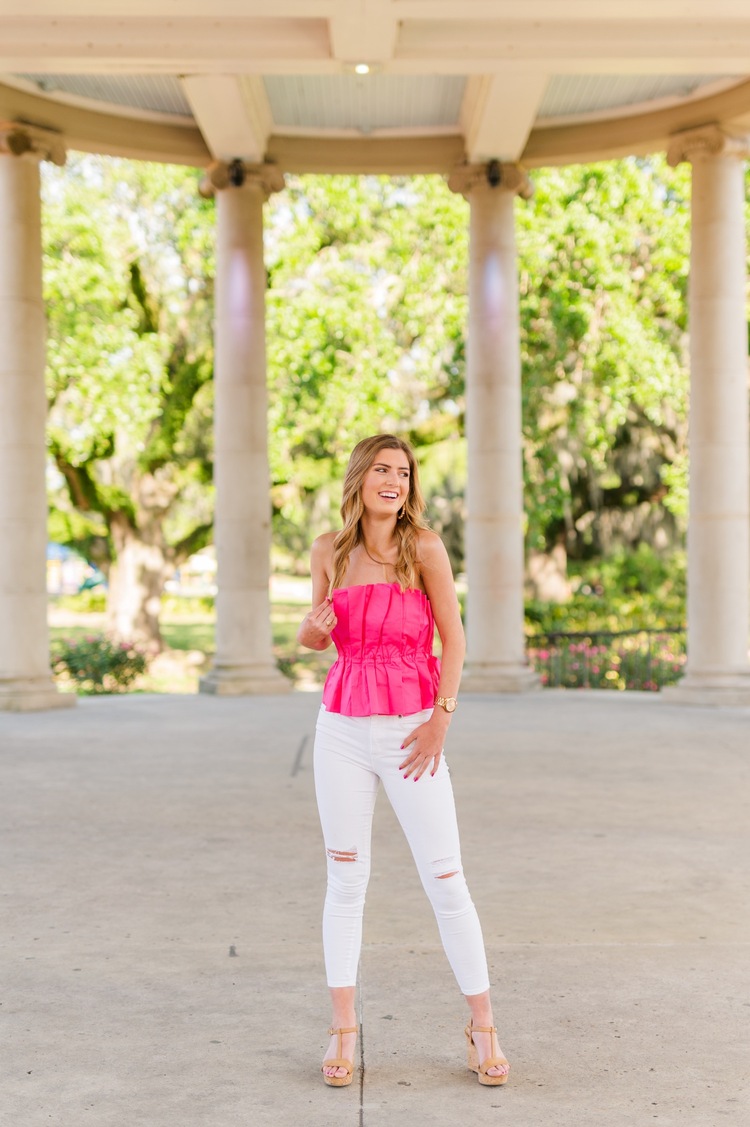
(332, 1032)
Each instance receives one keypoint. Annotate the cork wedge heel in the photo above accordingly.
(482, 1068)
(340, 1061)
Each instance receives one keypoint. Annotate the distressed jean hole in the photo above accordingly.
(442, 868)
(342, 854)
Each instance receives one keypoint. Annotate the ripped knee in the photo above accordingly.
(344, 855)
(444, 868)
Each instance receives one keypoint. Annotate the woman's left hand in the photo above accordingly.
(426, 747)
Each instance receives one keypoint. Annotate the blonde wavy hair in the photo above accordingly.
(410, 517)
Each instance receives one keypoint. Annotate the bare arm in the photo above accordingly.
(437, 578)
(315, 630)
(425, 744)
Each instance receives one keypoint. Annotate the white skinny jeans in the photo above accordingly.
(353, 754)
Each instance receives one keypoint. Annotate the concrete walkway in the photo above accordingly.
(161, 903)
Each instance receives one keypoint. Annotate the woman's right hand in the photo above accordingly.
(315, 631)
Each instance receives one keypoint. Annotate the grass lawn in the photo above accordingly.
(189, 638)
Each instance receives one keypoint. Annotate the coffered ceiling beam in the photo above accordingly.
(498, 113)
(232, 113)
(364, 31)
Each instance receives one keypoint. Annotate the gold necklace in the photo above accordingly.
(383, 563)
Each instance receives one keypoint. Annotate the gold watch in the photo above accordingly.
(448, 703)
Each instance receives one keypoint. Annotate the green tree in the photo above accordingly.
(604, 262)
(366, 331)
(367, 314)
(128, 266)
(367, 299)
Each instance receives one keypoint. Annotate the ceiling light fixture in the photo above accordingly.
(361, 68)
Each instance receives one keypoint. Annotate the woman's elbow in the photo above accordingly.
(455, 642)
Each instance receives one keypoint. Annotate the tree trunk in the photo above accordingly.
(136, 583)
(547, 575)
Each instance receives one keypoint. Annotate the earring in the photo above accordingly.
(400, 514)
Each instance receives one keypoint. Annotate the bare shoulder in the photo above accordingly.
(430, 548)
(321, 551)
(324, 543)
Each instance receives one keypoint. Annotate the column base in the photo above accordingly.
(731, 689)
(244, 680)
(33, 694)
(485, 678)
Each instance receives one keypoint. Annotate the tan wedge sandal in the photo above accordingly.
(339, 1062)
(491, 1062)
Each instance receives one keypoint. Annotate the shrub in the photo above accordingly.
(646, 661)
(97, 664)
(639, 590)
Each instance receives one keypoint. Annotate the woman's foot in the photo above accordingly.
(486, 1048)
(340, 1047)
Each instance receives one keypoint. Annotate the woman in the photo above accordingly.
(380, 585)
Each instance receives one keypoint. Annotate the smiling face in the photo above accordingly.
(385, 488)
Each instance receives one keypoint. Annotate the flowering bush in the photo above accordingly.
(97, 664)
(637, 660)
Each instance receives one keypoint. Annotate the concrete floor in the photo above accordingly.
(161, 900)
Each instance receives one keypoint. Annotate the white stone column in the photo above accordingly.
(25, 679)
(718, 613)
(496, 659)
(244, 660)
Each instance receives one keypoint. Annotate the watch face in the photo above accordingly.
(450, 704)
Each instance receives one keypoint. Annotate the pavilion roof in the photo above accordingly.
(541, 81)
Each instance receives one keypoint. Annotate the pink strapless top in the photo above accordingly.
(385, 664)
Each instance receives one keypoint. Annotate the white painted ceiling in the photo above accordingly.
(491, 70)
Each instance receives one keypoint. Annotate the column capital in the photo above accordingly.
(21, 140)
(467, 178)
(222, 174)
(706, 141)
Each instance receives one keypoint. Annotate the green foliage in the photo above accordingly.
(169, 442)
(603, 253)
(366, 301)
(641, 570)
(442, 470)
(129, 300)
(87, 532)
(367, 310)
(91, 601)
(97, 664)
(189, 607)
(129, 292)
(635, 590)
(367, 313)
(101, 370)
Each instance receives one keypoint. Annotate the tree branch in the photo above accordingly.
(198, 538)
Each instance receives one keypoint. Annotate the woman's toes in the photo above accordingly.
(498, 1070)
